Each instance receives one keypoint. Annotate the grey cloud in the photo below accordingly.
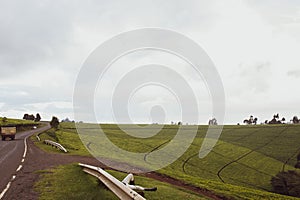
(119, 15)
(31, 32)
(262, 66)
(294, 73)
(18, 96)
(37, 32)
(35, 35)
(252, 78)
(277, 12)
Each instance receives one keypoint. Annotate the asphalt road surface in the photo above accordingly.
(12, 156)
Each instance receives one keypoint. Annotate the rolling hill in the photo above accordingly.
(241, 164)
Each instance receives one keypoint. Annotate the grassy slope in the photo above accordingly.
(70, 140)
(11, 122)
(256, 153)
(83, 186)
(22, 125)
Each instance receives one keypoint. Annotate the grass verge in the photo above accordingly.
(70, 182)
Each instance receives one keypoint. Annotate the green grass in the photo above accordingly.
(245, 157)
(70, 140)
(13, 122)
(70, 182)
(22, 125)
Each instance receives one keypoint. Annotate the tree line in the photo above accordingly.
(275, 120)
(54, 121)
(31, 117)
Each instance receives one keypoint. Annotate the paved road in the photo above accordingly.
(12, 156)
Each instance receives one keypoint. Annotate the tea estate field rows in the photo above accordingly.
(245, 158)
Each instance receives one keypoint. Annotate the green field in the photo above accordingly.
(241, 165)
(83, 186)
(13, 122)
(22, 125)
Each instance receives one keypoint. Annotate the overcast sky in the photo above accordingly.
(254, 44)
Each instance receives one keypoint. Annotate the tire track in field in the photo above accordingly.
(185, 162)
(182, 160)
(244, 165)
(247, 166)
(88, 145)
(238, 139)
(155, 148)
(246, 154)
(289, 158)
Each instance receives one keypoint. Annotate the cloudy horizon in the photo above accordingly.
(253, 45)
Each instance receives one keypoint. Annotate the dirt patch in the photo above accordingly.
(181, 184)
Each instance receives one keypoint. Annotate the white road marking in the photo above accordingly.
(25, 150)
(5, 190)
(19, 168)
(7, 187)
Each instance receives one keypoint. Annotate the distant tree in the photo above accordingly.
(28, 117)
(275, 119)
(287, 183)
(283, 120)
(266, 121)
(255, 120)
(54, 122)
(38, 117)
(251, 120)
(295, 120)
(213, 121)
(276, 116)
(66, 120)
(246, 121)
(25, 116)
(31, 117)
(179, 123)
(4, 119)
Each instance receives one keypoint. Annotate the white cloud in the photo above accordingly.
(294, 73)
(254, 44)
